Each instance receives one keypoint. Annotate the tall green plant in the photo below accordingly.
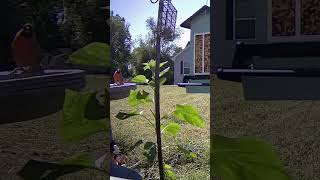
(140, 99)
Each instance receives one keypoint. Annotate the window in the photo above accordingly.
(244, 19)
(202, 53)
(294, 20)
(186, 68)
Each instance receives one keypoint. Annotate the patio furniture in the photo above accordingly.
(279, 71)
(34, 95)
(121, 91)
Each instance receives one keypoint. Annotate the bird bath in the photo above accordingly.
(121, 91)
(29, 96)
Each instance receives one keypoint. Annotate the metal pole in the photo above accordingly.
(157, 91)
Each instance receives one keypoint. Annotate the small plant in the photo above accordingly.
(140, 99)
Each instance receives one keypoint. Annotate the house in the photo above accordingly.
(279, 55)
(194, 59)
(272, 23)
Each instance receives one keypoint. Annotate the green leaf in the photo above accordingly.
(245, 158)
(189, 114)
(171, 129)
(74, 126)
(137, 97)
(138, 143)
(93, 54)
(82, 159)
(146, 66)
(164, 63)
(94, 110)
(162, 81)
(188, 153)
(152, 63)
(123, 115)
(169, 175)
(166, 166)
(140, 79)
(164, 71)
(150, 152)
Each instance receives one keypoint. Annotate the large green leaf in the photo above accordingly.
(189, 114)
(137, 97)
(140, 79)
(96, 54)
(150, 152)
(164, 71)
(171, 129)
(74, 126)
(149, 65)
(245, 158)
(124, 115)
(82, 159)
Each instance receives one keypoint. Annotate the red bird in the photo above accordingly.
(117, 77)
(25, 49)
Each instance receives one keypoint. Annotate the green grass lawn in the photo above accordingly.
(291, 127)
(127, 132)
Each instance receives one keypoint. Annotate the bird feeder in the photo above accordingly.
(168, 20)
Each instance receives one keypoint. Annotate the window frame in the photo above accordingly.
(235, 19)
(194, 53)
(298, 36)
(186, 67)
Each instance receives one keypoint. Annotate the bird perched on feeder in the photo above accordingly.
(117, 77)
(26, 50)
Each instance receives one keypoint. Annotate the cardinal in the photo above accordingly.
(117, 77)
(26, 50)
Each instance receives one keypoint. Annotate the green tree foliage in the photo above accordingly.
(43, 15)
(145, 50)
(120, 44)
(84, 22)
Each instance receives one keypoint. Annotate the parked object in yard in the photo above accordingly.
(121, 91)
(279, 71)
(33, 95)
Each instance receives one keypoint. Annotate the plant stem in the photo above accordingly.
(157, 93)
(148, 120)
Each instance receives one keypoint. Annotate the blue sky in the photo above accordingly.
(137, 11)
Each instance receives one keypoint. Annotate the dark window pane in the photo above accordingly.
(181, 67)
(283, 17)
(245, 29)
(310, 17)
(245, 8)
(186, 70)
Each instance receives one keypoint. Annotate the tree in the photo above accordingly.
(120, 43)
(84, 22)
(146, 50)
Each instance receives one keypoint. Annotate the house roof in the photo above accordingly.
(187, 23)
(186, 48)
